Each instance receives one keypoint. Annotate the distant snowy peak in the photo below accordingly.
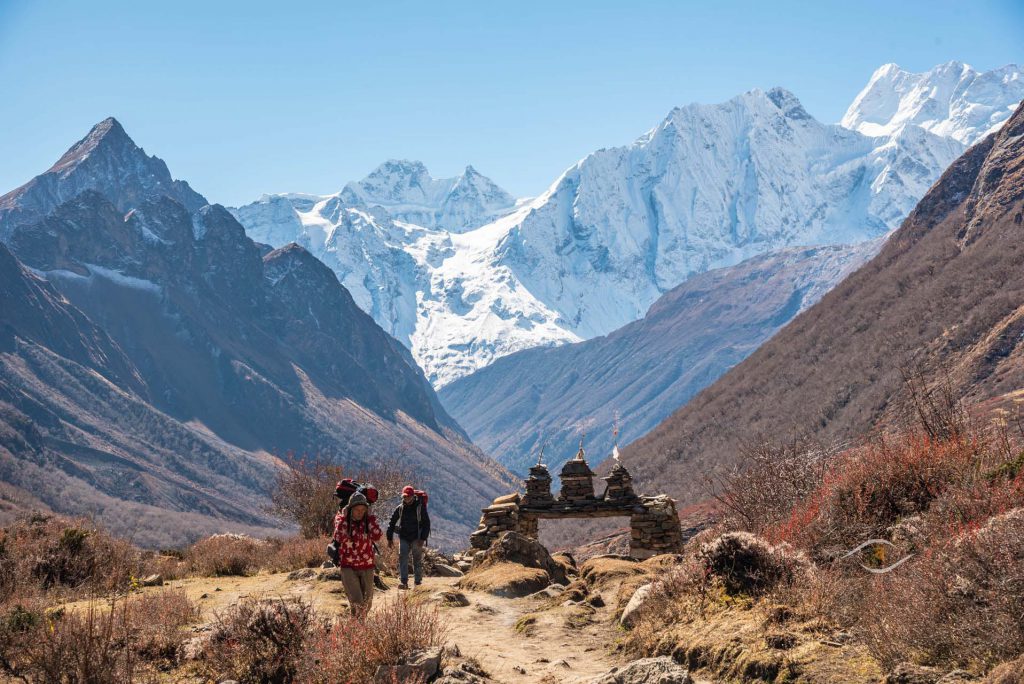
(951, 100)
(407, 191)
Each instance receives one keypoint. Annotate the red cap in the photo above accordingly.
(407, 490)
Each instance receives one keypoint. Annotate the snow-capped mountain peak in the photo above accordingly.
(952, 100)
(407, 191)
(709, 186)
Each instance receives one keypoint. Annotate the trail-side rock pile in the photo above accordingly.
(500, 517)
(656, 529)
(513, 566)
(513, 547)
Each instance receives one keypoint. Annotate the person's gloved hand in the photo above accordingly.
(391, 543)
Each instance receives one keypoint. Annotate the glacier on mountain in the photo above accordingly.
(952, 100)
(463, 274)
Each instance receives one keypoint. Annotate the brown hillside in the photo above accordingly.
(944, 297)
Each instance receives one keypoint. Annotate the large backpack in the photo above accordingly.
(347, 487)
(423, 499)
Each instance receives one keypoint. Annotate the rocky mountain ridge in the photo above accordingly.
(253, 352)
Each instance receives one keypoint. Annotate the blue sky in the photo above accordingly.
(248, 97)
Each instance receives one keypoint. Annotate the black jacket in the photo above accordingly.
(411, 522)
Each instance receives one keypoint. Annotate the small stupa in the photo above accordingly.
(577, 479)
(619, 483)
(538, 484)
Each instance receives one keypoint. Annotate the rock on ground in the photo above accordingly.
(661, 670)
(512, 547)
(632, 609)
(424, 663)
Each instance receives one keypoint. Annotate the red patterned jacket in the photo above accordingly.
(355, 545)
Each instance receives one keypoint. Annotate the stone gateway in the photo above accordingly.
(654, 524)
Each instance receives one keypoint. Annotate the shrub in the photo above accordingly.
(768, 481)
(303, 491)
(747, 564)
(226, 554)
(70, 556)
(261, 641)
(868, 489)
(384, 637)
(958, 605)
(112, 641)
(295, 553)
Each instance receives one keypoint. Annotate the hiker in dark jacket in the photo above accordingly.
(412, 523)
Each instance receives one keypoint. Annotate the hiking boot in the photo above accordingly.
(403, 585)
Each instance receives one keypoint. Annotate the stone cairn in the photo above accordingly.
(500, 517)
(654, 524)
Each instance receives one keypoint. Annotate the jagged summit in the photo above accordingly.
(108, 132)
(953, 100)
(107, 161)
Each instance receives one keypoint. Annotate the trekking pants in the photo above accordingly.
(359, 589)
(404, 546)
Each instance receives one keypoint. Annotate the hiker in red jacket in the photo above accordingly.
(355, 531)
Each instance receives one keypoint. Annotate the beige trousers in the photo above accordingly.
(359, 589)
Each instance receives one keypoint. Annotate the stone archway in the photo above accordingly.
(654, 524)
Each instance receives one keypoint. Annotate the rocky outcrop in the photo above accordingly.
(661, 670)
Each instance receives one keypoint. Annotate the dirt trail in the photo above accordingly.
(562, 644)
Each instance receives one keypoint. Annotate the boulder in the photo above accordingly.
(330, 575)
(507, 499)
(302, 574)
(152, 581)
(419, 665)
(445, 570)
(512, 547)
(661, 670)
(636, 602)
(452, 598)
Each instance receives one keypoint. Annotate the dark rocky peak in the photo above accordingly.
(297, 276)
(788, 103)
(87, 229)
(162, 221)
(228, 260)
(316, 317)
(1000, 184)
(105, 161)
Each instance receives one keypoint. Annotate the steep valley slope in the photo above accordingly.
(157, 363)
(941, 302)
